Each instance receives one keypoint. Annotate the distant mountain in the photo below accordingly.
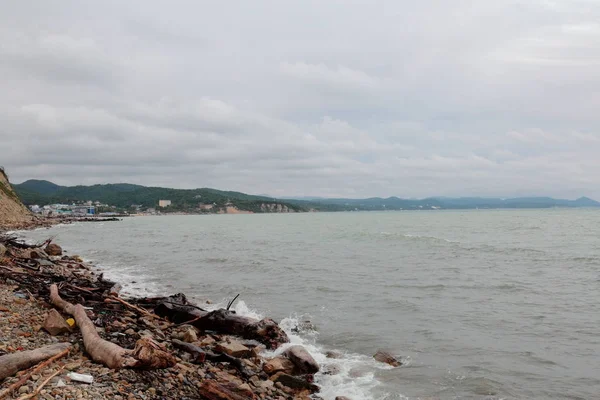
(39, 186)
(395, 203)
(124, 196)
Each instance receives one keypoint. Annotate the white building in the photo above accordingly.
(164, 203)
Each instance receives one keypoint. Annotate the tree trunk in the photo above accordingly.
(147, 353)
(10, 364)
(265, 331)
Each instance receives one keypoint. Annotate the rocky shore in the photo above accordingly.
(136, 348)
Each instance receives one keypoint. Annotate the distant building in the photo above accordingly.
(164, 203)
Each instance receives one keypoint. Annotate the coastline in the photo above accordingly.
(267, 377)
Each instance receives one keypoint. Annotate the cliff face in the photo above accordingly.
(13, 214)
(275, 208)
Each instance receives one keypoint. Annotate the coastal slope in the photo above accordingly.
(13, 214)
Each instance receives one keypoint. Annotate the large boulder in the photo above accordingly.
(387, 358)
(52, 249)
(302, 359)
(55, 324)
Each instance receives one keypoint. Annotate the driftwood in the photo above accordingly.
(41, 386)
(10, 364)
(147, 353)
(26, 377)
(224, 321)
(200, 356)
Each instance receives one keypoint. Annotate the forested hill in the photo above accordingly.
(124, 196)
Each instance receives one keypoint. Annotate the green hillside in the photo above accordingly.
(124, 196)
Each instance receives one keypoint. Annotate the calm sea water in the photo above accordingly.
(480, 304)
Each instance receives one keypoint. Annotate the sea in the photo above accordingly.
(478, 304)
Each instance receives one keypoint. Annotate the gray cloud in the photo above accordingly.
(334, 98)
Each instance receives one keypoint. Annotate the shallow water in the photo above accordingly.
(480, 304)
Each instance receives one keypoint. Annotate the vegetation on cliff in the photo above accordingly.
(124, 196)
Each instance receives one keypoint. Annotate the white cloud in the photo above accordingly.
(306, 98)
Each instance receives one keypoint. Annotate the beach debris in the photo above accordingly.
(147, 353)
(84, 378)
(12, 363)
(266, 331)
(58, 350)
(220, 347)
(55, 324)
(387, 358)
(302, 359)
(37, 391)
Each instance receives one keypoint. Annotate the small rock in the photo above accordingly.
(130, 332)
(333, 354)
(189, 336)
(55, 323)
(342, 398)
(294, 382)
(207, 341)
(234, 349)
(302, 359)
(24, 389)
(2, 250)
(34, 254)
(73, 366)
(387, 358)
(60, 383)
(53, 250)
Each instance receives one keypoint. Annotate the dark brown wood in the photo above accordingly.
(265, 331)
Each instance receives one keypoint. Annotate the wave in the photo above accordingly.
(409, 236)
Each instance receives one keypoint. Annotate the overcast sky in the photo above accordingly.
(305, 97)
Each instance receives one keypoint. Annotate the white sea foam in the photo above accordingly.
(351, 375)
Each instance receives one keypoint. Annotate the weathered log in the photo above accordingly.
(147, 353)
(265, 331)
(200, 356)
(10, 364)
(35, 370)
